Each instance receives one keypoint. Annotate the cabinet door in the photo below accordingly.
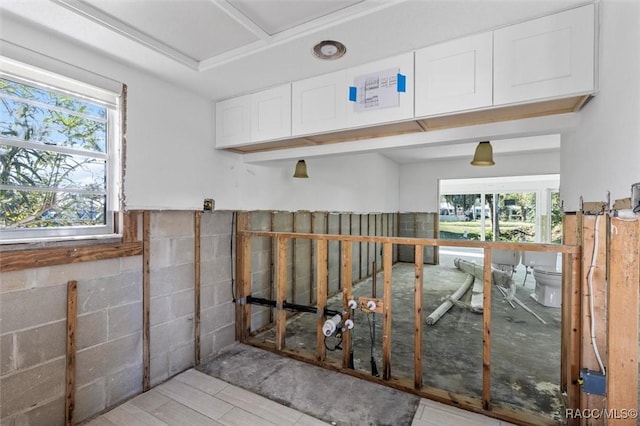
(232, 122)
(271, 114)
(380, 92)
(454, 76)
(544, 58)
(319, 104)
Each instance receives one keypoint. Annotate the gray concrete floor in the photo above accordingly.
(525, 362)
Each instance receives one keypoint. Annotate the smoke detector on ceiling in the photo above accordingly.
(329, 49)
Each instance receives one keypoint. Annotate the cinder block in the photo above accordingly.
(102, 293)
(182, 303)
(259, 317)
(172, 279)
(160, 254)
(181, 358)
(182, 251)
(302, 221)
(260, 221)
(160, 339)
(206, 347)
(131, 263)
(207, 247)
(29, 308)
(82, 271)
(224, 337)
(216, 223)
(222, 292)
(222, 246)
(319, 222)
(109, 358)
(171, 224)
(124, 320)
(218, 316)
(90, 400)
(17, 280)
(160, 310)
(159, 368)
(29, 388)
(123, 385)
(7, 360)
(41, 344)
(221, 269)
(46, 413)
(282, 222)
(181, 331)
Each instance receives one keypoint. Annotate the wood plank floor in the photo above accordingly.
(195, 399)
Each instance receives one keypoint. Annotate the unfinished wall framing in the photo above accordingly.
(388, 376)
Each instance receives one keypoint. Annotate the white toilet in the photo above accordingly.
(548, 277)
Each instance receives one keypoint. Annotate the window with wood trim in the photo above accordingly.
(59, 157)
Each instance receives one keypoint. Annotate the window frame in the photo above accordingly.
(108, 94)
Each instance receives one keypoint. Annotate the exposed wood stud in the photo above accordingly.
(293, 258)
(321, 274)
(486, 336)
(417, 314)
(129, 226)
(281, 292)
(623, 299)
(70, 385)
(197, 228)
(346, 296)
(386, 317)
(146, 300)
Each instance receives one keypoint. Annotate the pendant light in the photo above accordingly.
(483, 155)
(301, 170)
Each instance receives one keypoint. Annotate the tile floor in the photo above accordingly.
(195, 399)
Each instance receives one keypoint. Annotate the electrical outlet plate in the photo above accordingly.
(209, 205)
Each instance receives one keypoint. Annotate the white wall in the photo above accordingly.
(171, 162)
(603, 154)
(419, 181)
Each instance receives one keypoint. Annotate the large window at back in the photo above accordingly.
(58, 161)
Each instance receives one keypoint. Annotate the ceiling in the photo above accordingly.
(223, 48)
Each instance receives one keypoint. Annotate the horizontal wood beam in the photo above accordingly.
(27, 259)
(557, 248)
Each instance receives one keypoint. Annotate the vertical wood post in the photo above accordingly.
(197, 226)
(622, 324)
(486, 332)
(321, 286)
(599, 294)
(243, 277)
(281, 292)
(386, 312)
(72, 311)
(146, 300)
(417, 316)
(346, 296)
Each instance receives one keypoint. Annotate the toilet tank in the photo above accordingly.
(539, 258)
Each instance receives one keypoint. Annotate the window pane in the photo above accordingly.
(22, 121)
(35, 168)
(39, 209)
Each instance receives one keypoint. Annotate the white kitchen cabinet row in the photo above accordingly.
(545, 58)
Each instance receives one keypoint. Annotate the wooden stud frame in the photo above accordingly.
(70, 385)
(146, 301)
(572, 252)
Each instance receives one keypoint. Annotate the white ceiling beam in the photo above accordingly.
(333, 19)
(107, 21)
(241, 19)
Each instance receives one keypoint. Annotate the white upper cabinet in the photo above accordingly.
(454, 76)
(547, 57)
(319, 104)
(233, 121)
(256, 117)
(271, 114)
(380, 92)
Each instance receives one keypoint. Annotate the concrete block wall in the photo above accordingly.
(419, 225)
(217, 310)
(33, 339)
(301, 261)
(109, 324)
